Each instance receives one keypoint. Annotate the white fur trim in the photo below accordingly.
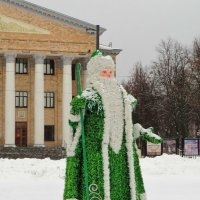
(72, 199)
(73, 140)
(74, 118)
(129, 98)
(69, 139)
(129, 144)
(143, 196)
(106, 171)
(137, 130)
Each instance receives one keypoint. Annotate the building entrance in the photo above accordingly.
(21, 134)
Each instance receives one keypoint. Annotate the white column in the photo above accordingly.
(67, 97)
(39, 101)
(10, 100)
(85, 76)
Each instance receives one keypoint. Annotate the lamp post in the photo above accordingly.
(97, 37)
(95, 31)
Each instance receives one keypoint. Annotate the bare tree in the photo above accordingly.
(171, 74)
(141, 87)
(169, 93)
(196, 82)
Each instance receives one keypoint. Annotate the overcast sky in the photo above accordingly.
(136, 26)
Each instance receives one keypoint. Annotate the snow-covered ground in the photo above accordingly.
(166, 178)
(171, 177)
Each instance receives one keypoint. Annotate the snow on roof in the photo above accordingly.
(109, 49)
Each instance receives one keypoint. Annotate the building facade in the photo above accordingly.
(38, 52)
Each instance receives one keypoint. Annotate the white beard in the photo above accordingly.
(113, 105)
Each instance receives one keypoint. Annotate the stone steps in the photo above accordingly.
(32, 152)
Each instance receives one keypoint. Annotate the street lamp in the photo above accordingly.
(92, 32)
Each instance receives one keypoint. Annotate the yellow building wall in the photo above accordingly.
(54, 37)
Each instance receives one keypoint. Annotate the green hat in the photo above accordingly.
(95, 53)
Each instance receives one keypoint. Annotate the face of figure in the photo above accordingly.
(107, 72)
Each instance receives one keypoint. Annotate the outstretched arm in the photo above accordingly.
(146, 134)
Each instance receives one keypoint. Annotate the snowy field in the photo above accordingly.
(166, 178)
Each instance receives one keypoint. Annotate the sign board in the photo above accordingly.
(169, 146)
(21, 114)
(153, 149)
(191, 147)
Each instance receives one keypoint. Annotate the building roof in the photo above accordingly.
(109, 49)
(90, 28)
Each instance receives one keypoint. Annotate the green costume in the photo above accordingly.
(112, 159)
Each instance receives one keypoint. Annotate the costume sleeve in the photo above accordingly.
(128, 97)
(90, 100)
(73, 167)
(146, 134)
(133, 101)
(78, 103)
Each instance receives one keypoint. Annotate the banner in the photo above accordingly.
(153, 149)
(169, 146)
(191, 147)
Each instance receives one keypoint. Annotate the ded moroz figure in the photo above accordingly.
(113, 169)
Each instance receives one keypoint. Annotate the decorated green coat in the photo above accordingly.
(112, 175)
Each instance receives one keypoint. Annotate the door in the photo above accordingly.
(21, 134)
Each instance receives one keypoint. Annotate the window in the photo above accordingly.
(49, 99)
(21, 66)
(21, 99)
(49, 67)
(73, 71)
(49, 133)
